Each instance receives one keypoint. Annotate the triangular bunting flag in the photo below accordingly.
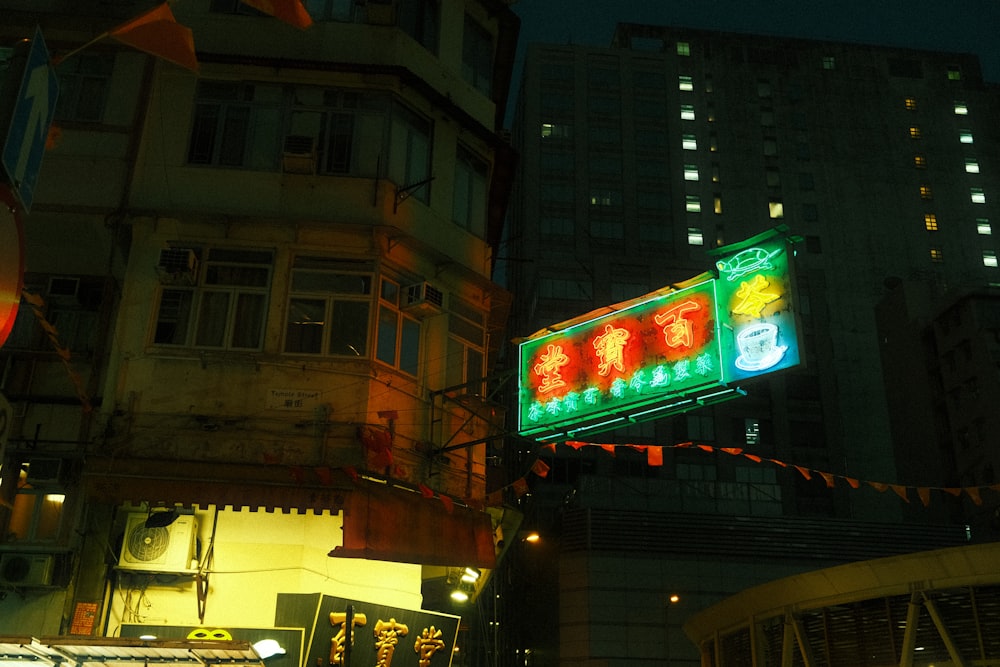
(540, 468)
(610, 449)
(804, 471)
(520, 487)
(853, 483)
(973, 492)
(449, 504)
(925, 495)
(900, 491)
(426, 491)
(157, 33)
(735, 451)
(753, 457)
(878, 486)
(576, 444)
(290, 11)
(828, 477)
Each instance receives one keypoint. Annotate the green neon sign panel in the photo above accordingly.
(666, 352)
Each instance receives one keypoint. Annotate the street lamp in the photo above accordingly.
(672, 599)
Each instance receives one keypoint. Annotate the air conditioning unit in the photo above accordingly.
(298, 155)
(165, 549)
(177, 266)
(26, 569)
(423, 298)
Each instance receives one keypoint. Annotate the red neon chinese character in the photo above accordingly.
(548, 368)
(678, 331)
(610, 346)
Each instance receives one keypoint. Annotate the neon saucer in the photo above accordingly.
(768, 360)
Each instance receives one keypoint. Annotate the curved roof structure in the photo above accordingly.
(925, 608)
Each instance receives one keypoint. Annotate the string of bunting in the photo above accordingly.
(158, 33)
(654, 457)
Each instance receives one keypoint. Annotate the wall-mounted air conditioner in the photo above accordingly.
(177, 266)
(167, 549)
(25, 569)
(298, 155)
(423, 298)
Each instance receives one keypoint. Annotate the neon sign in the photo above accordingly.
(665, 352)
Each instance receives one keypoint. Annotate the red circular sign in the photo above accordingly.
(11, 261)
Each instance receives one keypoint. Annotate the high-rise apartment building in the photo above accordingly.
(639, 158)
(259, 314)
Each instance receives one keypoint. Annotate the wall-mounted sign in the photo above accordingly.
(666, 352)
(383, 635)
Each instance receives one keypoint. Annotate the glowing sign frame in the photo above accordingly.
(665, 352)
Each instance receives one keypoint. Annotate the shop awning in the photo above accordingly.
(118, 652)
(383, 520)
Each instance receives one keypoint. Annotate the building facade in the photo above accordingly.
(261, 315)
(638, 159)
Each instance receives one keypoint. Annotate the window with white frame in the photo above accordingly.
(965, 137)
(398, 335)
(961, 108)
(695, 236)
(989, 259)
(689, 142)
(328, 307)
(692, 203)
(687, 112)
(227, 307)
(690, 172)
(983, 227)
(471, 186)
(971, 166)
(977, 195)
(685, 82)
(466, 345)
(236, 125)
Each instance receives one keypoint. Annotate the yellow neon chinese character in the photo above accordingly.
(548, 368)
(754, 297)
(609, 346)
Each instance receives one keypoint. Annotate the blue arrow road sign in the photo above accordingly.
(29, 126)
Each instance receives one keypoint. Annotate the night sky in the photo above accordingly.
(969, 26)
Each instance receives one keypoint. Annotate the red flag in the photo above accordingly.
(828, 477)
(900, 491)
(805, 472)
(540, 468)
(157, 33)
(654, 456)
(925, 495)
(449, 504)
(973, 492)
(426, 491)
(290, 11)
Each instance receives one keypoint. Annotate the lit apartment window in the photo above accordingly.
(605, 198)
(925, 192)
(683, 49)
(717, 205)
(829, 62)
(692, 204)
(954, 74)
(695, 236)
(775, 209)
(983, 226)
(689, 142)
(915, 132)
(965, 136)
(715, 173)
(910, 103)
(961, 109)
(971, 166)
(919, 161)
(690, 172)
(685, 82)
(937, 255)
(397, 341)
(713, 141)
(687, 112)
(556, 131)
(977, 195)
(989, 259)
(930, 222)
